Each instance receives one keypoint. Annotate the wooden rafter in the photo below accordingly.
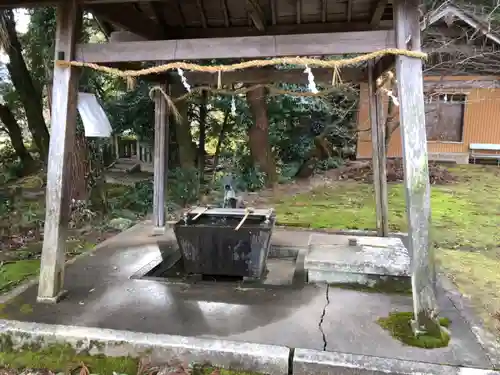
(104, 26)
(298, 7)
(256, 15)
(159, 15)
(203, 17)
(324, 10)
(378, 12)
(349, 10)
(241, 31)
(273, 11)
(131, 20)
(226, 13)
(181, 14)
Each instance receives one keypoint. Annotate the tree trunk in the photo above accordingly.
(203, 133)
(224, 129)
(16, 138)
(29, 95)
(78, 188)
(259, 135)
(187, 153)
(79, 169)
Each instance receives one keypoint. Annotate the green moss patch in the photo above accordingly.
(399, 326)
(63, 358)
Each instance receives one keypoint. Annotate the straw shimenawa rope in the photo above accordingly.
(131, 75)
(333, 64)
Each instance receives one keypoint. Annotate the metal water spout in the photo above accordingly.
(230, 198)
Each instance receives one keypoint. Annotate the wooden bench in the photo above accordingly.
(485, 151)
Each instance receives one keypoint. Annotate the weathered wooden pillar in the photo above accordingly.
(382, 153)
(117, 147)
(63, 126)
(416, 168)
(378, 154)
(159, 162)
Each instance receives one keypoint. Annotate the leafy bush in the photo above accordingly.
(330, 163)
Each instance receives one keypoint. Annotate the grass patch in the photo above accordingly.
(12, 274)
(464, 215)
(63, 358)
(399, 326)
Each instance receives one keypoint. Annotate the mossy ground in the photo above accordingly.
(399, 326)
(62, 358)
(464, 232)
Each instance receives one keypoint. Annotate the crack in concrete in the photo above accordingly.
(320, 325)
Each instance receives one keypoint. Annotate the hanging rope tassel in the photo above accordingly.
(219, 80)
(171, 108)
(131, 83)
(336, 78)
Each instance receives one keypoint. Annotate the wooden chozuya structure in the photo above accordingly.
(208, 29)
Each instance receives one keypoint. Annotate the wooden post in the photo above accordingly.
(416, 168)
(160, 147)
(382, 153)
(62, 137)
(117, 147)
(372, 92)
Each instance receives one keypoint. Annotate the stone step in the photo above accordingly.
(128, 167)
(363, 260)
(129, 161)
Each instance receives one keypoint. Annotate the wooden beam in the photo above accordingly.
(181, 14)
(256, 15)
(378, 12)
(271, 75)
(62, 138)
(415, 162)
(159, 163)
(254, 47)
(203, 17)
(349, 10)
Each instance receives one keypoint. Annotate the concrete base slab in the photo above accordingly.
(315, 317)
(386, 283)
(355, 259)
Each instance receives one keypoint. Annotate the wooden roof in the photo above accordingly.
(178, 19)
